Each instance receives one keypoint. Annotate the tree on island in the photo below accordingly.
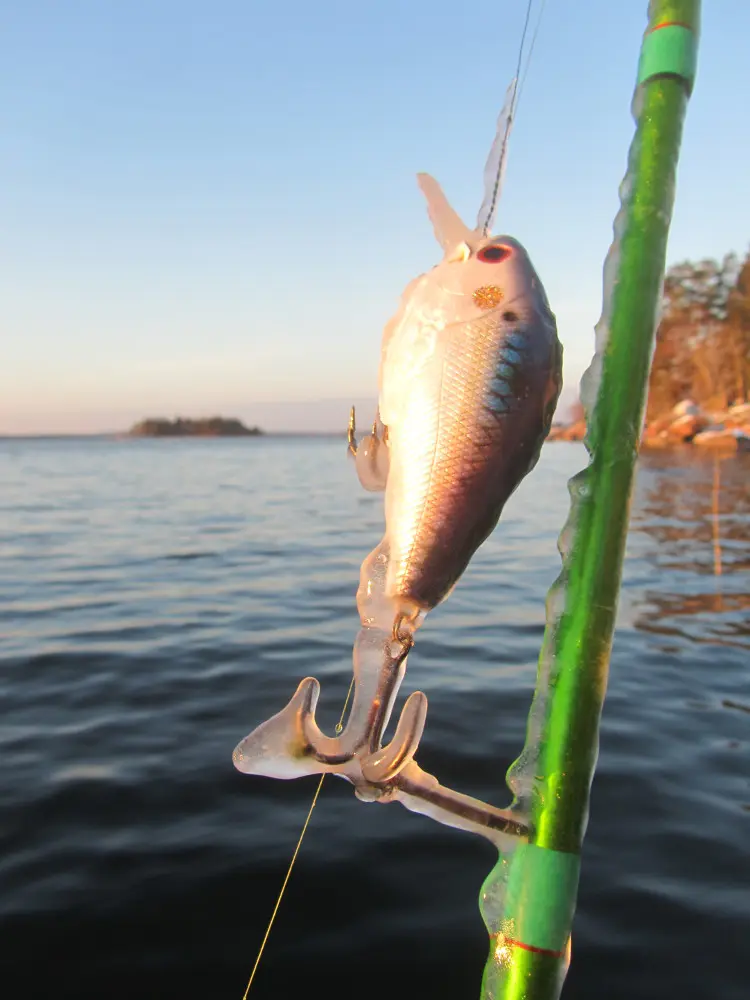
(703, 339)
(186, 427)
(702, 355)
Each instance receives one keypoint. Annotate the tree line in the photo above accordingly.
(703, 338)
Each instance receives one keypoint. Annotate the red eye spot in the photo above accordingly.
(493, 254)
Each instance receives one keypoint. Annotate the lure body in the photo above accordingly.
(469, 379)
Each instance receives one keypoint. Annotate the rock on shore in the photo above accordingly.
(687, 423)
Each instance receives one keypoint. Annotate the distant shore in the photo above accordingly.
(125, 435)
(186, 427)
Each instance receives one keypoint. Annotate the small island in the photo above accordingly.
(186, 427)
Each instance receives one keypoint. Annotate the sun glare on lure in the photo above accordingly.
(470, 374)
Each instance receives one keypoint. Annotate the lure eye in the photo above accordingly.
(493, 254)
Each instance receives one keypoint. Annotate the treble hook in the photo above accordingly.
(350, 434)
(370, 455)
(356, 753)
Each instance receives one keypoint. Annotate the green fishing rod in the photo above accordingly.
(528, 900)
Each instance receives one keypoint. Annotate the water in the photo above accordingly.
(160, 598)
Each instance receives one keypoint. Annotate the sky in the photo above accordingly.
(211, 207)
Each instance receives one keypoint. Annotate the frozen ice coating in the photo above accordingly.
(291, 745)
(494, 170)
(522, 772)
(450, 230)
(470, 374)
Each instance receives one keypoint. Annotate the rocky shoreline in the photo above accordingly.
(725, 430)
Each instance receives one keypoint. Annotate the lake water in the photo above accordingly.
(158, 599)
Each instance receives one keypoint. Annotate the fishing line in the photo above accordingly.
(531, 51)
(513, 106)
(339, 727)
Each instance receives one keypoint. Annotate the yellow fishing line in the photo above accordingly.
(339, 727)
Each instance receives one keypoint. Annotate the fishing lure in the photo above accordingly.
(470, 374)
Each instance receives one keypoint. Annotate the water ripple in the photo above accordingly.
(159, 599)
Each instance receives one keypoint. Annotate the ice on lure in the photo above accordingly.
(470, 373)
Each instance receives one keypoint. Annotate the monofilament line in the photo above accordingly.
(508, 125)
(530, 54)
(517, 87)
(283, 887)
(339, 727)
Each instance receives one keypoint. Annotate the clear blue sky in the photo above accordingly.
(212, 207)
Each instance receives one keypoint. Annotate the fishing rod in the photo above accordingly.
(528, 900)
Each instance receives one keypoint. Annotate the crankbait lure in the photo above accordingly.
(470, 374)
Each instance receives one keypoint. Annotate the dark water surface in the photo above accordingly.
(158, 599)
